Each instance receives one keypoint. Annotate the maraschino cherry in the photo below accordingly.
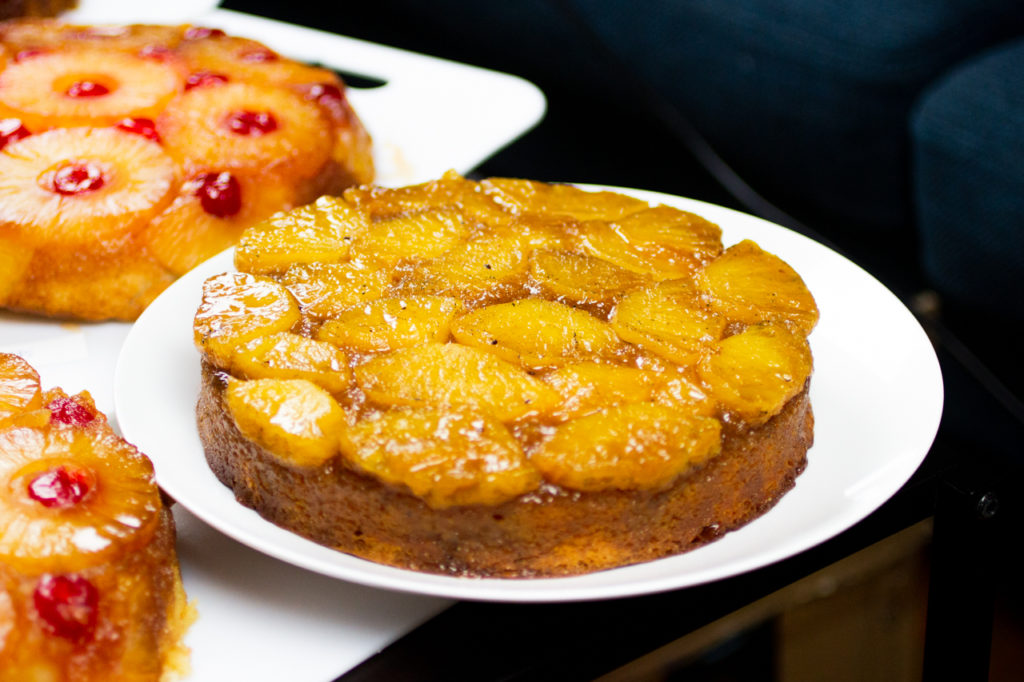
(60, 487)
(251, 123)
(67, 605)
(77, 178)
(220, 194)
(64, 410)
(81, 89)
(140, 126)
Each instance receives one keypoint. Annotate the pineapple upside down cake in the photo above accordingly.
(129, 154)
(90, 589)
(504, 378)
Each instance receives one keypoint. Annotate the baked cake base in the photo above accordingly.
(548, 532)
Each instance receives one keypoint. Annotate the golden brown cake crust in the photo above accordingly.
(548, 532)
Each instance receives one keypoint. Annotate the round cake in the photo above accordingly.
(89, 583)
(504, 378)
(129, 154)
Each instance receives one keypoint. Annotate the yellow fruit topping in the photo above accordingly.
(238, 308)
(536, 333)
(436, 374)
(319, 232)
(752, 286)
(293, 418)
(447, 457)
(392, 323)
(291, 356)
(755, 372)
(504, 334)
(640, 445)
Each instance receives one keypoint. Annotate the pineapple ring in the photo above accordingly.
(136, 182)
(196, 132)
(35, 89)
(119, 512)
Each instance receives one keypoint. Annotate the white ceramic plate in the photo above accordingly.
(431, 115)
(876, 392)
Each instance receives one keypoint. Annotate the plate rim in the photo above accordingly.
(309, 555)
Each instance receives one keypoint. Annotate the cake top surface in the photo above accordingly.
(473, 341)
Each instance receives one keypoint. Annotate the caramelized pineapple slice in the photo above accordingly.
(326, 289)
(750, 285)
(450, 374)
(285, 355)
(426, 234)
(668, 319)
(392, 323)
(587, 387)
(530, 196)
(630, 447)
(581, 279)
(319, 232)
(478, 270)
(446, 457)
(754, 373)
(295, 419)
(536, 333)
(236, 308)
(684, 391)
(660, 242)
(19, 387)
(450, 191)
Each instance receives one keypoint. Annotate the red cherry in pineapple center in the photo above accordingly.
(77, 177)
(140, 126)
(67, 605)
(251, 123)
(87, 89)
(60, 487)
(219, 194)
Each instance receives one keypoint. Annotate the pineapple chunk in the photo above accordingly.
(478, 270)
(587, 387)
(754, 373)
(750, 285)
(683, 391)
(236, 308)
(446, 457)
(426, 234)
(296, 420)
(449, 374)
(580, 278)
(319, 232)
(326, 289)
(629, 447)
(285, 355)
(451, 191)
(660, 242)
(19, 387)
(391, 323)
(668, 319)
(530, 196)
(536, 333)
